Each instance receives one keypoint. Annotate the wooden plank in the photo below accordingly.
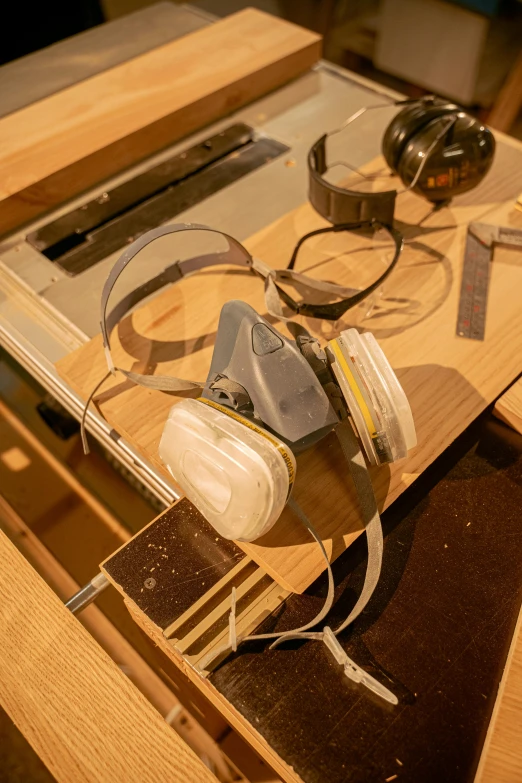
(509, 102)
(233, 716)
(64, 144)
(449, 381)
(508, 408)
(80, 713)
(92, 618)
(501, 760)
(120, 650)
(71, 60)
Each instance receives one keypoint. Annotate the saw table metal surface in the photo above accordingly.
(45, 314)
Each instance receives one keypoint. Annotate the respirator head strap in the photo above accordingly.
(237, 396)
(235, 254)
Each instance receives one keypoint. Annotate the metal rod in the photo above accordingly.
(87, 594)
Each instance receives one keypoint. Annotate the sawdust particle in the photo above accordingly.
(393, 777)
(152, 569)
(399, 762)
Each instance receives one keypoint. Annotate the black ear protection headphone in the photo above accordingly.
(436, 148)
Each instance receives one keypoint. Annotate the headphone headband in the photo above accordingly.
(411, 147)
(340, 205)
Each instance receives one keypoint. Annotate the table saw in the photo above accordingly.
(441, 622)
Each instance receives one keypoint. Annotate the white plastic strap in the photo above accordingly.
(232, 637)
(372, 521)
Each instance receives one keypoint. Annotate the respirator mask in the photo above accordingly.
(266, 399)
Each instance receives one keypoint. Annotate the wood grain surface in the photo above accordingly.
(509, 100)
(65, 143)
(448, 380)
(83, 717)
(229, 711)
(145, 679)
(451, 574)
(501, 760)
(508, 408)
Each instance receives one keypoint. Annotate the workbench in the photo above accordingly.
(440, 625)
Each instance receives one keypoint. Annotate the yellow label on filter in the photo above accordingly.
(348, 374)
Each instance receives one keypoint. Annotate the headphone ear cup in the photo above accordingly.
(407, 123)
(413, 154)
(396, 134)
(456, 164)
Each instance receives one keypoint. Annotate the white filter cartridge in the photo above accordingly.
(377, 403)
(238, 475)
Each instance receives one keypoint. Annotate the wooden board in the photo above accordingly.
(71, 60)
(448, 380)
(508, 408)
(507, 106)
(67, 142)
(80, 713)
(501, 760)
(438, 549)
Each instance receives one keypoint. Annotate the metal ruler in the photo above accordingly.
(480, 244)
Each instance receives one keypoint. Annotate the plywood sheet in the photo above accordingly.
(67, 142)
(508, 408)
(449, 380)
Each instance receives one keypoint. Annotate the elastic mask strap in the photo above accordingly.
(235, 254)
(373, 528)
(237, 640)
(371, 517)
